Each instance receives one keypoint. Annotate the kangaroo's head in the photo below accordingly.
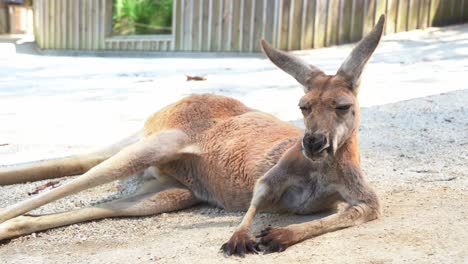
(330, 106)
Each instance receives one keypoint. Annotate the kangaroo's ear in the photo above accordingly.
(353, 66)
(294, 66)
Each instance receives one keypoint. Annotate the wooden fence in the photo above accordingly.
(238, 25)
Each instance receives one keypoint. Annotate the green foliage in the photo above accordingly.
(142, 17)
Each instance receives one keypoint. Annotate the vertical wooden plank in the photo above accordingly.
(82, 25)
(209, 29)
(303, 24)
(423, 13)
(402, 21)
(413, 14)
(215, 24)
(60, 31)
(38, 22)
(457, 13)
(64, 23)
(278, 23)
(269, 25)
(175, 26)
(71, 14)
(252, 25)
(332, 22)
(204, 24)
(57, 21)
(357, 20)
(178, 22)
(91, 13)
(346, 8)
(195, 25)
(309, 25)
(241, 24)
(380, 9)
(292, 6)
(283, 24)
(227, 25)
(295, 25)
(442, 13)
(258, 24)
(188, 25)
(392, 10)
(246, 24)
(369, 15)
(274, 25)
(220, 25)
(97, 20)
(465, 11)
(320, 23)
(200, 24)
(51, 24)
(235, 26)
(433, 10)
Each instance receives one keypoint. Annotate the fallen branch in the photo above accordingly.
(439, 180)
(196, 78)
(52, 184)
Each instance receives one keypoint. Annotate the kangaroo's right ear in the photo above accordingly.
(294, 66)
(352, 67)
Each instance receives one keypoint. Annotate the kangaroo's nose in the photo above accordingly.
(315, 143)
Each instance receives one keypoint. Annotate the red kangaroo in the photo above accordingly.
(209, 148)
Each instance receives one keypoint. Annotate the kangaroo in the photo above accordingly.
(209, 148)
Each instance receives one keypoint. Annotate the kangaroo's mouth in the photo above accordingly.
(317, 156)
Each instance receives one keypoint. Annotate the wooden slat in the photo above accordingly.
(209, 28)
(295, 30)
(235, 26)
(320, 23)
(423, 13)
(252, 25)
(269, 25)
(308, 37)
(402, 20)
(358, 20)
(369, 15)
(246, 24)
(283, 32)
(195, 24)
(332, 22)
(259, 24)
(457, 13)
(413, 14)
(391, 21)
(465, 11)
(204, 36)
(380, 8)
(345, 21)
(200, 24)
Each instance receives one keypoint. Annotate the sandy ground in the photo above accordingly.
(413, 138)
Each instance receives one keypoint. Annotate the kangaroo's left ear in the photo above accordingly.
(294, 66)
(352, 67)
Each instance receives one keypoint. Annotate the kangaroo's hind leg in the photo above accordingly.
(59, 167)
(170, 199)
(154, 150)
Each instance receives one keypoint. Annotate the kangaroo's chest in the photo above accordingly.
(309, 195)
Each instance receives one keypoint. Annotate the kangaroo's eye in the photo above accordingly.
(343, 107)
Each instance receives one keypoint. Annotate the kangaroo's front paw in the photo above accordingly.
(240, 243)
(275, 239)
